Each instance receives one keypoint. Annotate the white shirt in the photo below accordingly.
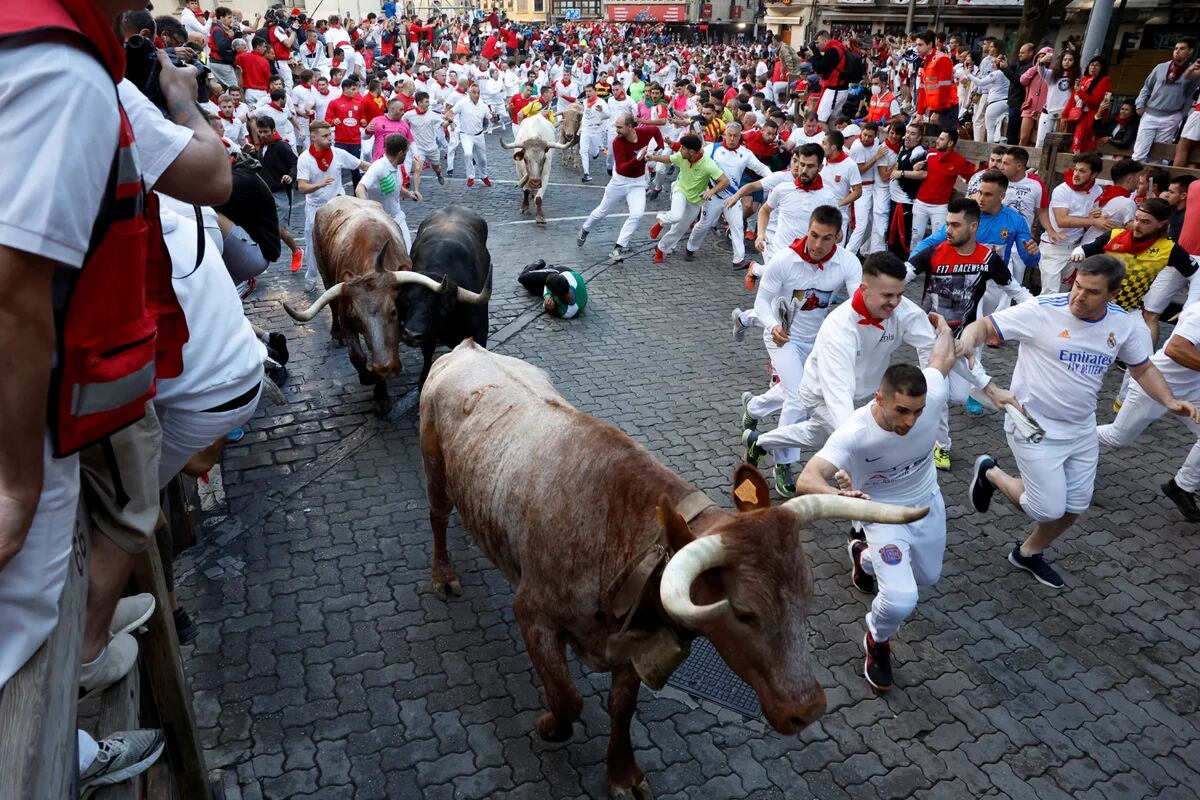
(1025, 197)
(424, 128)
(1062, 359)
(307, 170)
(798, 137)
(1077, 204)
(234, 130)
(787, 274)
(283, 121)
(471, 118)
(890, 467)
(303, 101)
(734, 163)
(336, 37)
(389, 200)
(1184, 382)
(159, 140)
(192, 23)
(315, 59)
(1120, 210)
(353, 63)
(564, 91)
(595, 115)
(794, 208)
(860, 154)
(321, 101)
(840, 176)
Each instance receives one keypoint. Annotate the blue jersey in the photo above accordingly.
(1003, 232)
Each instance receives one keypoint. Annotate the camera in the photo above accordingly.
(142, 70)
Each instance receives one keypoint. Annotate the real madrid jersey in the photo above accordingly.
(1062, 359)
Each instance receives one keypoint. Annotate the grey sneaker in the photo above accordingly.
(121, 756)
(749, 423)
(754, 453)
(785, 484)
(739, 329)
(617, 253)
(113, 664)
(131, 613)
(442, 179)
(582, 237)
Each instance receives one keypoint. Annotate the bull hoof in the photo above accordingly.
(541, 220)
(447, 589)
(639, 792)
(382, 407)
(525, 209)
(551, 730)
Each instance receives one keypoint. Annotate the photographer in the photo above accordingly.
(829, 58)
(281, 35)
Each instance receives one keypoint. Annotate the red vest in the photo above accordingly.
(121, 325)
(282, 51)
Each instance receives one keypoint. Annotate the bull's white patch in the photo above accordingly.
(747, 492)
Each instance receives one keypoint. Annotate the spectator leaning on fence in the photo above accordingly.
(1165, 98)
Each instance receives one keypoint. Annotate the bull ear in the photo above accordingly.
(519, 155)
(448, 291)
(381, 259)
(750, 491)
(676, 532)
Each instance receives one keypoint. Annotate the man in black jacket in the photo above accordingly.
(279, 173)
(1016, 89)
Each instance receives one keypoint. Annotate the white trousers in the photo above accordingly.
(870, 219)
(712, 211)
(811, 434)
(1137, 412)
(1059, 475)
(185, 433)
(679, 217)
(1153, 129)
(1047, 122)
(630, 190)
(903, 558)
(284, 70)
(474, 153)
(978, 125)
(452, 143)
(960, 389)
(788, 362)
(924, 215)
(591, 140)
(1055, 260)
(993, 120)
(830, 104)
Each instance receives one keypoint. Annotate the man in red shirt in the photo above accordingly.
(628, 182)
(943, 167)
(254, 73)
(519, 101)
(345, 114)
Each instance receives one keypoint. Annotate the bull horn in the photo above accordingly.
(330, 294)
(812, 507)
(464, 295)
(675, 588)
(558, 145)
(509, 145)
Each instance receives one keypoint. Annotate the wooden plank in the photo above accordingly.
(1159, 151)
(159, 784)
(39, 704)
(168, 682)
(119, 706)
(1066, 160)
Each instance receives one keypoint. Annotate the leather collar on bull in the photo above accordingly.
(656, 645)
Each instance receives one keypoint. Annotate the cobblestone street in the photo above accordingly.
(326, 667)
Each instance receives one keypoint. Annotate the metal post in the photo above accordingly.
(1097, 29)
(908, 18)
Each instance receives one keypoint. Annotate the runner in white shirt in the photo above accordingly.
(1026, 193)
(799, 282)
(566, 92)
(840, 174)
(872, 206)
(303, 102)
(470, 115)
(810, 133)
(852, 349)
(335, 35)
(795, 202)
(232, 128)
(1179, 363)
(593, 130)
(280, 111)
(323, 95)
(384, 183)
(1071, 205)
(884, 451)
(320, 181)
(450, 131)
(425, 125)
(1067, 344)
(734, 160)
(313, 55)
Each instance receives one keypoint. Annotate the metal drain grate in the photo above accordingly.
(705, 674)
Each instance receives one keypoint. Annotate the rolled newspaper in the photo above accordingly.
(1026, 426)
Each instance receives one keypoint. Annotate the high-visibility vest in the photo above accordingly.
(880, 107)
(937, 91)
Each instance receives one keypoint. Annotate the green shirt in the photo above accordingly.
(637, 90)
(579, 287)
(694, 179)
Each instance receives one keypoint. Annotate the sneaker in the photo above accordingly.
(120, 757)
(487, 181)
(310, 284)
(1036, 565)
(276, 372)
(655, 191)
(974, 407)
(858, 577)
(277, 349)
(754, 454)
(235, 435)
(442, 178)
(617, 253)
(587, 178)
(655, 230)
(449, 172)
(743, 264)
(1184, 500)
(689, 255)
(785, 484)
(113, 664)
(297, 260)
(131, 613)
(751, 280)
(582, 237)
(749, 423)
(877, 668)
(857, 535)
(658, 256)
(941, 458)
(470, 182)
(981, 489)
(247, 287)
(751, 236)
(739, 330)
(186, 628)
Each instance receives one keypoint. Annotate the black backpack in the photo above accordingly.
(855, 69)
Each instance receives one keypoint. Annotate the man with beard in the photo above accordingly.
(735, 161)
(942, 168)
(871, 156)
(795, 201)
(903, 186)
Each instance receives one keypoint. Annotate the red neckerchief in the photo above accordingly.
(593, 101)
(859, 305)
(730, 149)
(306, 85)
(839, 158)
(1069, 179)
(223, 116)
(1111, 192)
(99, 30)
(894, 148)
(321, 91)
(1174, 70)
(324, 157)
(272, 105)
(811, 187)
(275, 137)
(800, 248)
(1125, 242)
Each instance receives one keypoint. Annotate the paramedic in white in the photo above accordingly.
(1179, 363)
(1067, 344)
(874, 161)
(806, 274)
(470, 114)
(593, 132)
(795, 201)
(852, 349)
(885, 451)
(734, 160)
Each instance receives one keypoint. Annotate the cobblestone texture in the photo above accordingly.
(325, 666)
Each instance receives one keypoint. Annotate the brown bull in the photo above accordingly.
(565, 505)
(364, 264)
(568, 133)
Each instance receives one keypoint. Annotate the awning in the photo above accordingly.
(633, 12)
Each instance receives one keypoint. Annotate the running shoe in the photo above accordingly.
(941, 458)
(582, 237)
(749, 423)
(1184, 500)
(1036, 566)
(739, 330)
(877, 667)
(981, 489)
(297, 260)
(785, 483)
(655, 230)
(859, 578)
(617, 253)
(754, 454)
(658, 256)
(120, 757)
(974, 407)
